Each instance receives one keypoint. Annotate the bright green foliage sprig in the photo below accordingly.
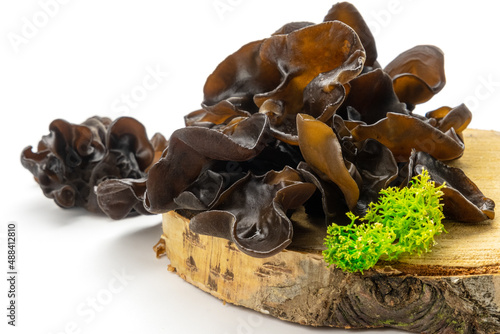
(402, 221)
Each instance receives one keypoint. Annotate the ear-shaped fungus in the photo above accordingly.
(120, 175)
(446, 118)
(372, 97)
(378, 168)
(120, 197)
(206, 189)
(371, 166)
(160, 143)
(65, 160)
(193, 149)
(129, 151)
(463, 201)
(202, 193)
(292, 26)
(240, 76)
(219, 113)
(73, 159)
(326, 92)
(252, 212)
(417, 74)
(128, 136)
(322, 151)
(311, 97)
(300, 57)
(333, 204)
(402, 133)
(347, 13)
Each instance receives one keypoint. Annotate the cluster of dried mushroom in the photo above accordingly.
(306, 117)
(74, 158)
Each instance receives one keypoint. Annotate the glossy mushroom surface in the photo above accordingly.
(303, 119)
(73, 159)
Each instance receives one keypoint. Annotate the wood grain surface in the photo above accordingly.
(453, 289)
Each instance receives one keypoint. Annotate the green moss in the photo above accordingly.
(402, 221)
(392, 323)
(458, 327)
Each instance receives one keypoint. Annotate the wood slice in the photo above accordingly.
(453, 289)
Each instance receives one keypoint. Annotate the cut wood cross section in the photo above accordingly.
(453, 289)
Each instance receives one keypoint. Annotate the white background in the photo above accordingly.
(81, 60)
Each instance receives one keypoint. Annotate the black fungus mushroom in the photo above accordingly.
(193, 149)
(463, 201)
(253, 212)
(306, 117)
(75, 158)
(417, 74)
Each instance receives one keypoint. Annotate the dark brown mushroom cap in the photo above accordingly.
(206, 189)
(129, 136)
(192, 149)
(292, 26)
(378, 168)
(402, 133)
(72, 143)
(74, 158)
(99, 127)
(347, 13)
(463, 201)
(252, 212)
(160, 143)
(446, 118)
(322, 151)
(375, 168)
(326, 92)
(371, 96)
(35, 161)
(129, 152)
(417, 74)
(202, 193)
(119, 176)
(332, 199)
(65, 160)
(219, 113)
(118, 198)
(300, 57)
(275, 104)
(275, 72)
(240, 76)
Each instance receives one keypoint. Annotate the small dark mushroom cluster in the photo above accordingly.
(75, 158)
(304, 118)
